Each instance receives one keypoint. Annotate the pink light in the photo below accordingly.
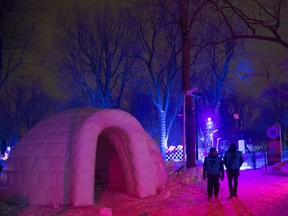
(236, 116)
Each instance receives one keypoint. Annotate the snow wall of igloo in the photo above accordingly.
(54, 162)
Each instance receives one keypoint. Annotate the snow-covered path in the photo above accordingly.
(259, 194)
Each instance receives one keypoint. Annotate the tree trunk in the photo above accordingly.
(163, 140)
(190, 123)
(217, 115)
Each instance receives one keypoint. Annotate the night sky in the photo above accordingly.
(271, 53)
(45, 35)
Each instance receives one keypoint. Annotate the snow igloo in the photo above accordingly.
(55, 162)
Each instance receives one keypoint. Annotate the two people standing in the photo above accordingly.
(213, 170)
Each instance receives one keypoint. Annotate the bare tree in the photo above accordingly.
(159, 42)
(260, 20)
(22, 105)
(275, 106)
(140, 102)
(188, 17)
(185, 14)
(263, 20)
(246, 108)
(213, 66)
(94, 50)
(16, 34)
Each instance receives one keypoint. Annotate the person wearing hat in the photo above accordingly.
(233, 160)
(213, 169)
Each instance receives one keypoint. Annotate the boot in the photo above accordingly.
(231, 192)
(216, 189)
(235, 191)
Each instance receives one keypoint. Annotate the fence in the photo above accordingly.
(257, 159)
(253, 160)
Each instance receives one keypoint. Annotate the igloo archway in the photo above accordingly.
(54, 163)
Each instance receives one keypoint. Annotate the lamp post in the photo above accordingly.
(209, 128)
(196, 94)
(212, 138)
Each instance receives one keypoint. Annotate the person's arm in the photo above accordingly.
(204, 169)
(241, 159)
(225, 160)
(221, 170)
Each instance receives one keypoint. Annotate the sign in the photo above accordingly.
(274, 144)
(241, 146)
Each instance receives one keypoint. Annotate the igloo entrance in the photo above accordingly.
(108, 168)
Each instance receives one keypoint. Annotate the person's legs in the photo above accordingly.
(230, 177)
(235, 185)
(210, 187)
(216, 187)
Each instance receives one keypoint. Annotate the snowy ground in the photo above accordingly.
(259, 194)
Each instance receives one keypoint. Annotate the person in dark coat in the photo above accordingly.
(233, 160)
(213, 169)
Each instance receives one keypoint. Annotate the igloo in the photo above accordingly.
(54, 163)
